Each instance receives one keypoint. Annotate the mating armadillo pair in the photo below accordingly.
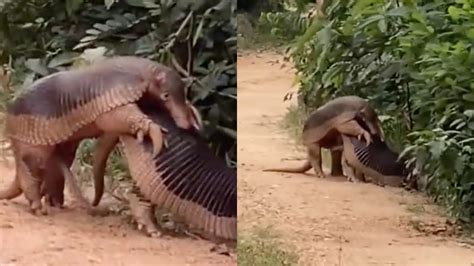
(211, 194)
(342, 122)
(62, 109)
(187, 179)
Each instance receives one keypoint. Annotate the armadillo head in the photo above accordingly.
(170, 90)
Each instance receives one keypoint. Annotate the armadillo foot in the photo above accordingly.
(221, 249)
(143, 215)
(157, 138)
(319, 173)
(140, 136)
(368, 138)
(97, 212)
(353, 179)
(149, 229)
(38, 209)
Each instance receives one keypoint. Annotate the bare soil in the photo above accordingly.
(326, 221)
(71, 237)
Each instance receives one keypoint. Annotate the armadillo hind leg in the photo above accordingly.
(142, 212)
(314, 157)
(128, 119)
(31, 186)
(352, 128)
(336, 166)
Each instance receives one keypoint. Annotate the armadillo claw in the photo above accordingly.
(149, 230)
(154, 234)
(140, 136)
(165, 142)
(368, 138)
(37, 208)
(45, 209)
(156, 137)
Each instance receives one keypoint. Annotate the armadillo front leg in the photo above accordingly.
(352, 128)
(314, 157)
(143, 213)
(353, 174)
(128, 119)
(350, 171)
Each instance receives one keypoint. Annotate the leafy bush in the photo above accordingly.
(413, 60)
(197, 38)
(283, 26)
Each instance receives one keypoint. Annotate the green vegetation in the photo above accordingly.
(197, 38)
(413, 60)
(261, 248)
(264, 24)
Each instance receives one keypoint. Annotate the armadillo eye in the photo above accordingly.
(165, 96)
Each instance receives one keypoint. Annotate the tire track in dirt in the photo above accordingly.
(328, 221)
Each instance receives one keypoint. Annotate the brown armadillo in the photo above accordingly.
(73, 105)
(187, 179)
(324, 127)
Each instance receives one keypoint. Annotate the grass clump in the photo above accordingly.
(262, 248)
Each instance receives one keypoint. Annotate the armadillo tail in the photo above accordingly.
(301, 169)
(105, 145)
(13, 191)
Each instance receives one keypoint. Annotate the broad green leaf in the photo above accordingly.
(101, 27)
(469, 113)
(88, 38)
(468, 97)
(382, 24)
(401, 11)
(108, 3)
(63, 59)
(437, 148)
(454, 12)
(93, 32)
(35, 65)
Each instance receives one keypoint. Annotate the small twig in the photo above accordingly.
(410, 118)
(179, 68)
(180, 29)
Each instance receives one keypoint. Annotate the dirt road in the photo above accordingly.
(330, 221)
(71, 237)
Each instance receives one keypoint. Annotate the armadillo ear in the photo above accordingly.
(160, 78)
(196, 119)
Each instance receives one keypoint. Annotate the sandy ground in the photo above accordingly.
(327, 221)
(71, 237)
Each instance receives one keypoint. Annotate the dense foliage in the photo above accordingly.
(197, 38)
(414, 60)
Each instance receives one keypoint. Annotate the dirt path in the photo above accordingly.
(71, 237)
(330, 221)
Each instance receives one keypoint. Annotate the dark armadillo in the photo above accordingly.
(375, 160)
(187, 179)
(324, 127)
